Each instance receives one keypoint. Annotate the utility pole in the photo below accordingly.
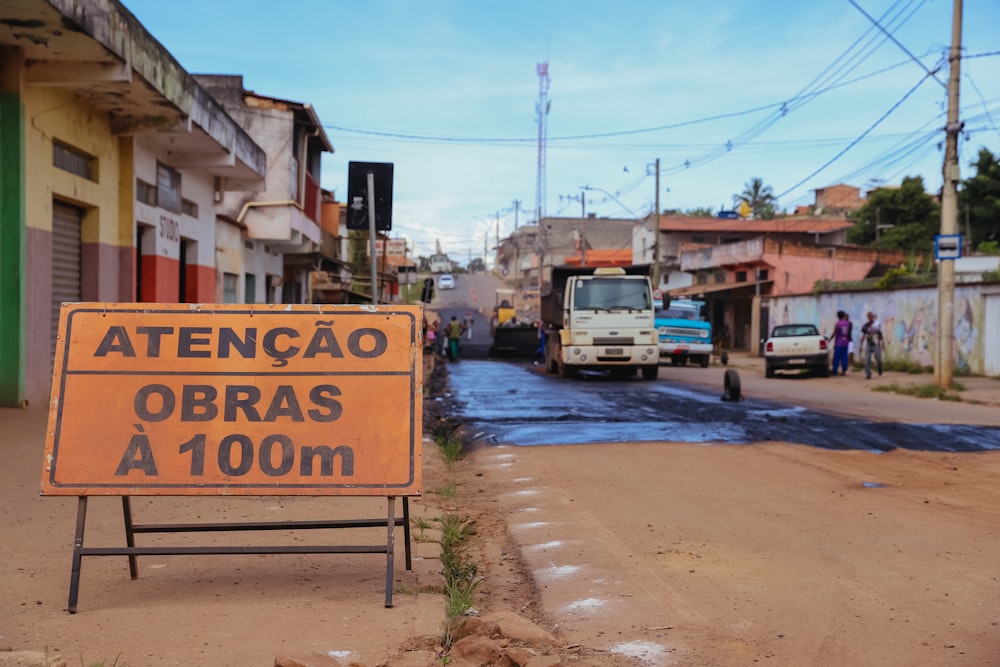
(656, 231)
(949, 208)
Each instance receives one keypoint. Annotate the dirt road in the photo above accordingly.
(772, 553)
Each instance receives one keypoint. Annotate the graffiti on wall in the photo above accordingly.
(909, 321)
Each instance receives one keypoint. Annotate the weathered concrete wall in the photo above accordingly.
(909, 320)
(58, 115)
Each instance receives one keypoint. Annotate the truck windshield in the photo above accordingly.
(612, 294)
(676, 314)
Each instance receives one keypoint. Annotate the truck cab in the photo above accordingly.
(683, 333)
(600, 319)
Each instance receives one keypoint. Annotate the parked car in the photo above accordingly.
(446, 281)
(796, 347)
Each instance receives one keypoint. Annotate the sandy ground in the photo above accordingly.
(772, 553)
(631, 554)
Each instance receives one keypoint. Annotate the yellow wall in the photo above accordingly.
(53, 113)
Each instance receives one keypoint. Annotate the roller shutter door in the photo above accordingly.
(66, 244)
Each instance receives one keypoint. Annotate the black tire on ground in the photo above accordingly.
(650, 372)
(565, 370)
(768, 372)
(824, 371)
(704, 361)
(731, 386)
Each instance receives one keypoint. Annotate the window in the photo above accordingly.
(229, 293)
(74, 161)
(145, 193)
(719, 277)
(741, 276)
(603, 294)
(702, 279)
(168, 188)
(761, 274)
(188, 207)
(249, 288)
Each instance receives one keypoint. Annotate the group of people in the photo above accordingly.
(872, 341)
(446, 341)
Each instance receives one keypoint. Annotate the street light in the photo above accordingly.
(618, 201)
(656, 229)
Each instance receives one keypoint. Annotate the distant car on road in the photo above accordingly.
(446, 281)
(796, 347)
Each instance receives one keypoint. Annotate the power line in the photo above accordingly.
(895, 41)
(858, 139)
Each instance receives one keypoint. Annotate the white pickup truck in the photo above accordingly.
(796, 347)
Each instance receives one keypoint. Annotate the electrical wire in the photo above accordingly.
(858, 139)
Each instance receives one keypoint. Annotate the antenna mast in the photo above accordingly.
(542, 111)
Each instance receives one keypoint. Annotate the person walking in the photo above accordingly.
(467, 323)
(454, 330)
(874, 343)
(842, 333)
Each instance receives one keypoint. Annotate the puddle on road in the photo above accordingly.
(577, 432)
(546, 410)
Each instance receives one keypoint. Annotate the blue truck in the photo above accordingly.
(683, 333)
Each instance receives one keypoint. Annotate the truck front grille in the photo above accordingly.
(614, 340)
(678, 331)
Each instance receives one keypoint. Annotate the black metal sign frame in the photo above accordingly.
(133, 551)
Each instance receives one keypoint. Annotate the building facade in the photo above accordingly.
(111, 160)
(281, 217)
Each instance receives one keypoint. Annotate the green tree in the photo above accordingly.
(759, 197)
(907, 217)
(357, 247)
(700, 212)
(979, 201)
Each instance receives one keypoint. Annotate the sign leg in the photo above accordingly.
(133, 561)
(406, 532)
(74, 579)
(389, 549)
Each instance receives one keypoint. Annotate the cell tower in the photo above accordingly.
(542, 111)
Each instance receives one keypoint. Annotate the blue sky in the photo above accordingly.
(721, 92)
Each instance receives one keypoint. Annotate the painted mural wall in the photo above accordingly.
(909, 320)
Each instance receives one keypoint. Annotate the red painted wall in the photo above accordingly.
(200, 284)
(160, 276)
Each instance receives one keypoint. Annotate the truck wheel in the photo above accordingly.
(565, 370)
(824, 371)
(731, 386)
(650, 372)
(768, 372)
(704, 361)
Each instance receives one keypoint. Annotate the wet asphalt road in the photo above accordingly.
(515, 403)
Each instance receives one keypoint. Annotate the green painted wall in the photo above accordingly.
(12, 249)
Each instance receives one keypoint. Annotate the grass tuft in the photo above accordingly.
(921, 391)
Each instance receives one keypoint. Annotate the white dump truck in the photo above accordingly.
(600, 319)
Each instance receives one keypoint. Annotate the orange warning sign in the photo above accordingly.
(203, 399)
